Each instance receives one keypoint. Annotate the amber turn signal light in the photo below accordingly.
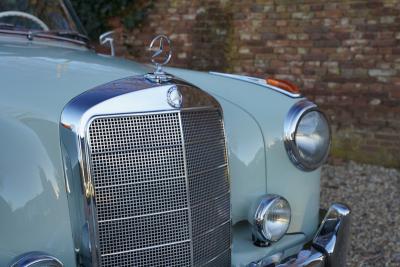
(284, 85)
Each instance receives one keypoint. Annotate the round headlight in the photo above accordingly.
(270, 219)
(307, 135)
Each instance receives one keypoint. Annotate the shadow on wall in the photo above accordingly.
(211, 36)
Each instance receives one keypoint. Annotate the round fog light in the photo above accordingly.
(36, 259)
(270, 219)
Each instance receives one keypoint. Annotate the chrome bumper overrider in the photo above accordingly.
(329, 246)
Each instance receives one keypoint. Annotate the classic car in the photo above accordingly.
(108, 162)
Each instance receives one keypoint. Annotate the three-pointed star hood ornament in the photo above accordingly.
(160, 46)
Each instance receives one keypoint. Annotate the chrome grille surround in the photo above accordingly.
(147, 184)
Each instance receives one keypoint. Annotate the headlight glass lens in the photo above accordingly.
(269, 217)
(277, 219)
(307, 136)
(313, 137)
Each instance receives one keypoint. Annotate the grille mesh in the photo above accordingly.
(211, 244)
(208, 187)
(170, 255)
(147, 231)
(137, 199)
(153, 208)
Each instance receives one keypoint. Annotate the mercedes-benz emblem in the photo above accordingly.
(174, 97)
(162, 53)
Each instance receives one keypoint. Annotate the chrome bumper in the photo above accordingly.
(329, 246)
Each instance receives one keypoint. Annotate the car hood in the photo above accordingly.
(40, 79)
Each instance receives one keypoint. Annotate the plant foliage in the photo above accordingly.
(95, 15)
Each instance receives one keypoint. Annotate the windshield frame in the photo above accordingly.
(52, 35)
(71, 12)
(43, 35)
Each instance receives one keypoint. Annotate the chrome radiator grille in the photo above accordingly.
(161, 189)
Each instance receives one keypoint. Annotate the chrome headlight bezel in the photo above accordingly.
(292, 120)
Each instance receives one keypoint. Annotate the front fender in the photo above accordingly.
(246, 159)
(33, 205)
(268, 109)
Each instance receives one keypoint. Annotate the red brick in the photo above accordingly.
(356, 44)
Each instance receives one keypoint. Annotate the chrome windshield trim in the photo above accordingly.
(257, 81)
(43, 35)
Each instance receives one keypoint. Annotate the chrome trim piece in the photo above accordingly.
(213, 199)
(143, 182)
(329, 246)
(296, 112)
(107, 38)
(267, 261)
(257, 81)
(143, 215)
(332, 237)
(159, 59)
(216, 257)
(216, 227)
(174, 97)
(34, 258)
(187, 182)
(132, 96)
(307, 258)
(215, 168)
(45, 36)
(140, 249)
(16, 13)
(257, 216)
(162, 39)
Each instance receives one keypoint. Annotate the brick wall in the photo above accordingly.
(345, 55)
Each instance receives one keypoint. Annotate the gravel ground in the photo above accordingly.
(373, 194)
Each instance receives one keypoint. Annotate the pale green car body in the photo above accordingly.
(39, 78)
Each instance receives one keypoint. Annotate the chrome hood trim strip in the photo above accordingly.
(257, 81)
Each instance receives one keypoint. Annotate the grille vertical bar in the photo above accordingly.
(161, 189)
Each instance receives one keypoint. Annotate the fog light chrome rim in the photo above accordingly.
(270, 218)
(36, 259)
